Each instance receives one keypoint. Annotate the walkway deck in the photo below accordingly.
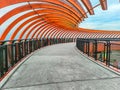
(61, 67)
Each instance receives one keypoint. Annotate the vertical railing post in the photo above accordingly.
(5, 57)
(88, 47)
(12, 56)
(95, 49)
(104, 53)
(1, 62)
(108, 53)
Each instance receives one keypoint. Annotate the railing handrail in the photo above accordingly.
(12, 51)
(90, 47)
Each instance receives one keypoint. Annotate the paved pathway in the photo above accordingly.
(61, 67)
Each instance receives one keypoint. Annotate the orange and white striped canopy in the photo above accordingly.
(24, 19)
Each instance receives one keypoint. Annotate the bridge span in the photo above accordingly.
(61, 67)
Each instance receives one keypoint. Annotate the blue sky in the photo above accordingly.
(104, 20)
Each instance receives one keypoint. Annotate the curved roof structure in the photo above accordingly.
(24, 19)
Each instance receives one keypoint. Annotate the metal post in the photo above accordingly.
(86, 51)
(6, 60)
(88, 48)
(12, 57)
(104, 53)
(1, 62)
(108, 53)
(95, 50)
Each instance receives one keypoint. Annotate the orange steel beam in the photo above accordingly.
(14, 23)
(50, 30)
(65, 9)
(62, 11)
(63, 5)
(45, 29)
(75, 8)
(72, 35)
(41, 31)
(33, 29)
(26, 29)
(57, 29)
(10, 14)
(44, 35)
(77, 35)
(63, 20)
(4, 3)
(58, 35)
(14, 12)
(48, 34)
(22, 25)
(42, 25)
(77, 5)
(65, 23)
(27, 7)
(3, 36)
(38, 31)
(61, 34)
(53, 32)
(54, 17)
(88, 5)
(57, 13)
(103, 4)
(14, 34)
(65, 34)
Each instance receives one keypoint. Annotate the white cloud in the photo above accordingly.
(104, 20)
(102, 26)
(114, 8)
(89, 25)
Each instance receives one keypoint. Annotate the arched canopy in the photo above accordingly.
(23, 19)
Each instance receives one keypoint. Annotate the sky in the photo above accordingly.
(104, 20)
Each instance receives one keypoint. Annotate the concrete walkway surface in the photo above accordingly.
(61, 67)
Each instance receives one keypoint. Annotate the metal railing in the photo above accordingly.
(11, 52)
(102, 49)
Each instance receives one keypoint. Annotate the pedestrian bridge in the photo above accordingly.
(61, 67)
(29, 27)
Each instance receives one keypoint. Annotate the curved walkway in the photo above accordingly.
(61, 67)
